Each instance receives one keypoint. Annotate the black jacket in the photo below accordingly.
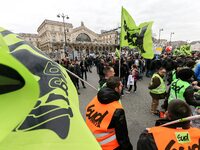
(106, 96)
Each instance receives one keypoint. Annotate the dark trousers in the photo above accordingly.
(84, 73)
(83, 84)
(135, 86)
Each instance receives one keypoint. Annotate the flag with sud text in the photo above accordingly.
(39, 103)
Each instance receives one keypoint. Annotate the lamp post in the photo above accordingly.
(160, 30)
(171, 37)
(64, 17)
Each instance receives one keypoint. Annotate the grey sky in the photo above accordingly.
(179, 16)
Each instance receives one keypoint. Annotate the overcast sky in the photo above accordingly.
(179, 16)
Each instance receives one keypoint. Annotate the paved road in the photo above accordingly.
(136, 105)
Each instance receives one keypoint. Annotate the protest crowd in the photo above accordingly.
(40, 106)
(164, 70)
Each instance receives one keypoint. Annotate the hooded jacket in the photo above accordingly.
(106, 96)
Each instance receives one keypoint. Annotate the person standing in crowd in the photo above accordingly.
(148, 68)
(197, 71)
(156, 63)
(78, 73)
(126, 73)
(84, 68)
(179, 136)
(106, 119)
(182, 89)
(73, 78)
(108, 72)
(173, 74)
(123, 72)
(157, 89)
(117, 73)
(135, 76)
(89, 62)
(101, 68)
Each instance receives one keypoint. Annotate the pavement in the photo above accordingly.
(136, 105)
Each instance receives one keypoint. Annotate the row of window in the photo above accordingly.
(58, 28)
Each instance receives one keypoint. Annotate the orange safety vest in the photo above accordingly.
(98, 118)
(176, 139)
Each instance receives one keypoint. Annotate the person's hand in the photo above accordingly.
(194, 83)
(196, 87)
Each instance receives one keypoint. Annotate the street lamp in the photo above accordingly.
(64, 17)
(171, 37)
(159, 35)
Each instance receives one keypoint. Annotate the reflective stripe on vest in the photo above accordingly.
(176, 139)
(161, 88)
(108, 140)
(99, 135)
(177, 90)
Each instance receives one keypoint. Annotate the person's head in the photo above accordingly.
(108, 72)
(162, 71)
(190, 63)
(134, 66)
(178, 109)
(185, 74)
(115, 84)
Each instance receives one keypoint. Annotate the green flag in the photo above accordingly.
(144, 40)
(117, 53)
(46, 92)
(183, 50)
(127, 25)
(186, 50)
(176, 51)
(136, 37)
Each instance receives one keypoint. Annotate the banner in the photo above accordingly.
(136, 37)
(186, 49)
(158, 50)
(183, 50)
(54, 121)
(144, 40)
(128, 29)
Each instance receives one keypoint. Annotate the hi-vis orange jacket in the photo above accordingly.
(176, 139)
(98, 118)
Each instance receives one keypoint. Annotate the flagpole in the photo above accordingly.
(182, 120)
(81, 79)
(119, 61)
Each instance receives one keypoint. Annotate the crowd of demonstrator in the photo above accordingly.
(175, 79)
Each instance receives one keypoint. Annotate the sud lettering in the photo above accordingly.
(171, 146)
(94, 116)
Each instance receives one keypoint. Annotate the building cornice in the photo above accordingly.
(52, 22)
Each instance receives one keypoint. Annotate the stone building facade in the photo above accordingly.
(50, 38)
(31, 38)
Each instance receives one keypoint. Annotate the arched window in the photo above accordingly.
(82, 37)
